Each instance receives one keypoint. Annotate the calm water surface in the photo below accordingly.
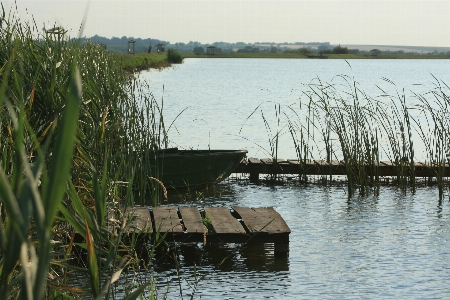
(393, 246)
(221, 94)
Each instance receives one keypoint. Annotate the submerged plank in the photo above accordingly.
(137, 219)
(166, 219)
(192, 219)
(264, 219)
(140, 218)
(223, 222)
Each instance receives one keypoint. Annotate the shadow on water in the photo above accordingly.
(222, 257)
(220, 193)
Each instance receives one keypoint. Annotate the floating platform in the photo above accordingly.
(256, 166)
(223, 225)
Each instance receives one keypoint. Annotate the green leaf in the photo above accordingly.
(63, 149)
(72, 220)
(138, 291)
(92, 262)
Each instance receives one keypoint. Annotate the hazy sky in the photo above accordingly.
(369, 22)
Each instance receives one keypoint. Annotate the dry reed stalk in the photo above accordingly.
(161, 184)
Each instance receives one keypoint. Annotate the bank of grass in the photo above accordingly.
(142, 61)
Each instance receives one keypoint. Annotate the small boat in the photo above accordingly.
(187, 168)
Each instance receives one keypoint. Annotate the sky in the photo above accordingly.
(361, 22)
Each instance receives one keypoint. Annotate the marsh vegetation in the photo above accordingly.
(70, 118)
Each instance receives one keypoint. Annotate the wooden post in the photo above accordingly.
(255, 164)
(281, 250)
(254, 177)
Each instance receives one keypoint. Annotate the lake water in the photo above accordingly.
(219, 95)
(396, 245)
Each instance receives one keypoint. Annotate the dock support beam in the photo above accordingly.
(254, 177)
(281, 249)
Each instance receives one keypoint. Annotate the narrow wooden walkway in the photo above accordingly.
(256, 166)
(224, 225)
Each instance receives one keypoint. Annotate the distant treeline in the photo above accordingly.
(306, 48)
(344, 50)
(142, 45)
(121, 44)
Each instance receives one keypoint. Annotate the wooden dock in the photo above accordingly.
(256, 166)
(223, 225)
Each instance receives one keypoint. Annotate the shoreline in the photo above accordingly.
(315, 56)
(143, 61)
(147, 66)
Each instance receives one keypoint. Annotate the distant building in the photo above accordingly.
(160, 48)
(131, 46)
(211, 50)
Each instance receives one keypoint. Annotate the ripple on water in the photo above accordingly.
(394, 245)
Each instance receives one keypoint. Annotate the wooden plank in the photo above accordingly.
(269, 161)
(139, 216)
(321, 162)
(192, 219)
(166, 219)
(140, 219)
(292, 161)
(426, 164)
(335, 163)
(297, 162)
(252, 160)
(335, 167)
(264, 219)
(223, 222)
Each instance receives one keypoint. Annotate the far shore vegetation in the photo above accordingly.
(138, 61)
(294, 54)
(145, 53)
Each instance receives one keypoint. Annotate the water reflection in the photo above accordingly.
(393, 245)
(217, 194)
(222, 257)
(224, 269)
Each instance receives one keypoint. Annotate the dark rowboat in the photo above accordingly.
(187, 168)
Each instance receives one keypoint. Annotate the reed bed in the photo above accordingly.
(70, 120)
(337, 121)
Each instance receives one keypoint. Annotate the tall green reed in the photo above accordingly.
(65, 138)
(396, 122)
(25, 263)
(348, 121)
(273, 134)
(364, 126)
(436, 135)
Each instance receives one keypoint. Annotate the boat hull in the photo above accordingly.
(187, 168)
